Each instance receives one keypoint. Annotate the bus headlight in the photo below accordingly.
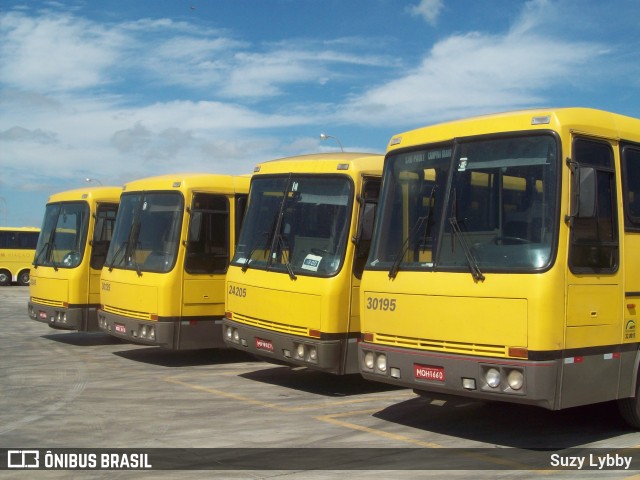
(381, 362)
(236, 335)
(313, 354)
(152, 333)
(229, 333)
(492, 377)
(143, 331)
(368, 360)
(515, 379)
(300, 351)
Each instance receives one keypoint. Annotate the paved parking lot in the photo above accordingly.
(63, 389)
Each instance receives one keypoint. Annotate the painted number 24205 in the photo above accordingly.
(237, 291)
(384, 304)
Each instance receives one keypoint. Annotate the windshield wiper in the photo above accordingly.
(393, 271)
(135, 265)
(42, 250)
(285, 257)
(268, 240)
(471, 260)
(115, 255)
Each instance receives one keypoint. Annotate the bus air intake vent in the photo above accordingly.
(442, 345)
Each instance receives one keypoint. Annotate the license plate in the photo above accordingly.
(263, 344)
(428, 372)
(120, 328)
(42, 315)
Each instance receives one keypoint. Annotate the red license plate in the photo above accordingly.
(119, 328)
(428, 372)
(43, 315)
(263, 344)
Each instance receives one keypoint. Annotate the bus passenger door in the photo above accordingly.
(591, 363)
(362, 239)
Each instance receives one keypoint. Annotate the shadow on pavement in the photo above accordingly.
(510, 425)
(316, 382)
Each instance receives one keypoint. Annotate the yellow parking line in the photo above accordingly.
(221, 393)
(333, 418)
(313, 406)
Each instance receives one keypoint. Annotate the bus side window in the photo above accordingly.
(594, 238)
(105, 221)
(366, 221)
(208, 243)
(631, 186)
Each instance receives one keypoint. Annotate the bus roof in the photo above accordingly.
(606, 124)
(323, 163)
(206, 182)
(96, 194)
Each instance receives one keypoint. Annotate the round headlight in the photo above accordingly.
(381, 362)
(152, 333)
(300, 350)
(143, 331)
(236, 335)
(313, 353)
(229, 333)
(492, 377)
(515, 379)
(368, 360)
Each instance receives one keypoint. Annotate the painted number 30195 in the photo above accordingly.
(384, 304)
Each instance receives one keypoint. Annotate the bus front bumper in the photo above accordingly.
(173, 333)
(496, 379)
(81, 318)
(318, 354)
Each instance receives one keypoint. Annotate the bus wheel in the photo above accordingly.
(23, 278)
(630, 408)
(5, 277)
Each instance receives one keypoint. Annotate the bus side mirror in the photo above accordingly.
(586, 192)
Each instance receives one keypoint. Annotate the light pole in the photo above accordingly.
(89, 180)
(324, 137)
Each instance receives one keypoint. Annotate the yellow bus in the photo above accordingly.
(292, 288)
(505, 263)
(163, 279)
(73, 243)
(17, 246)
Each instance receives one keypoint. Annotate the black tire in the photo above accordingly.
(5, 278)
(23, 278)
(630, 408)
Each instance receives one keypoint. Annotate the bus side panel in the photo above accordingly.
(203, 297)
(591, 378)
(631, 313)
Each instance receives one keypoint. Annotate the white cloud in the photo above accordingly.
(477, 72)
(427, 9)
(56, 53)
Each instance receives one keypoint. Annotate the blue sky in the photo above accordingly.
(119, 90)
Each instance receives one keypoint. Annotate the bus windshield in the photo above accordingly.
(63, 235)
(147, 232)
(481, 205)
(296, 224)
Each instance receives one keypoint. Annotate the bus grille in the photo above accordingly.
(267, 325)
(127, 313)
(442, 345)
(44, 301)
